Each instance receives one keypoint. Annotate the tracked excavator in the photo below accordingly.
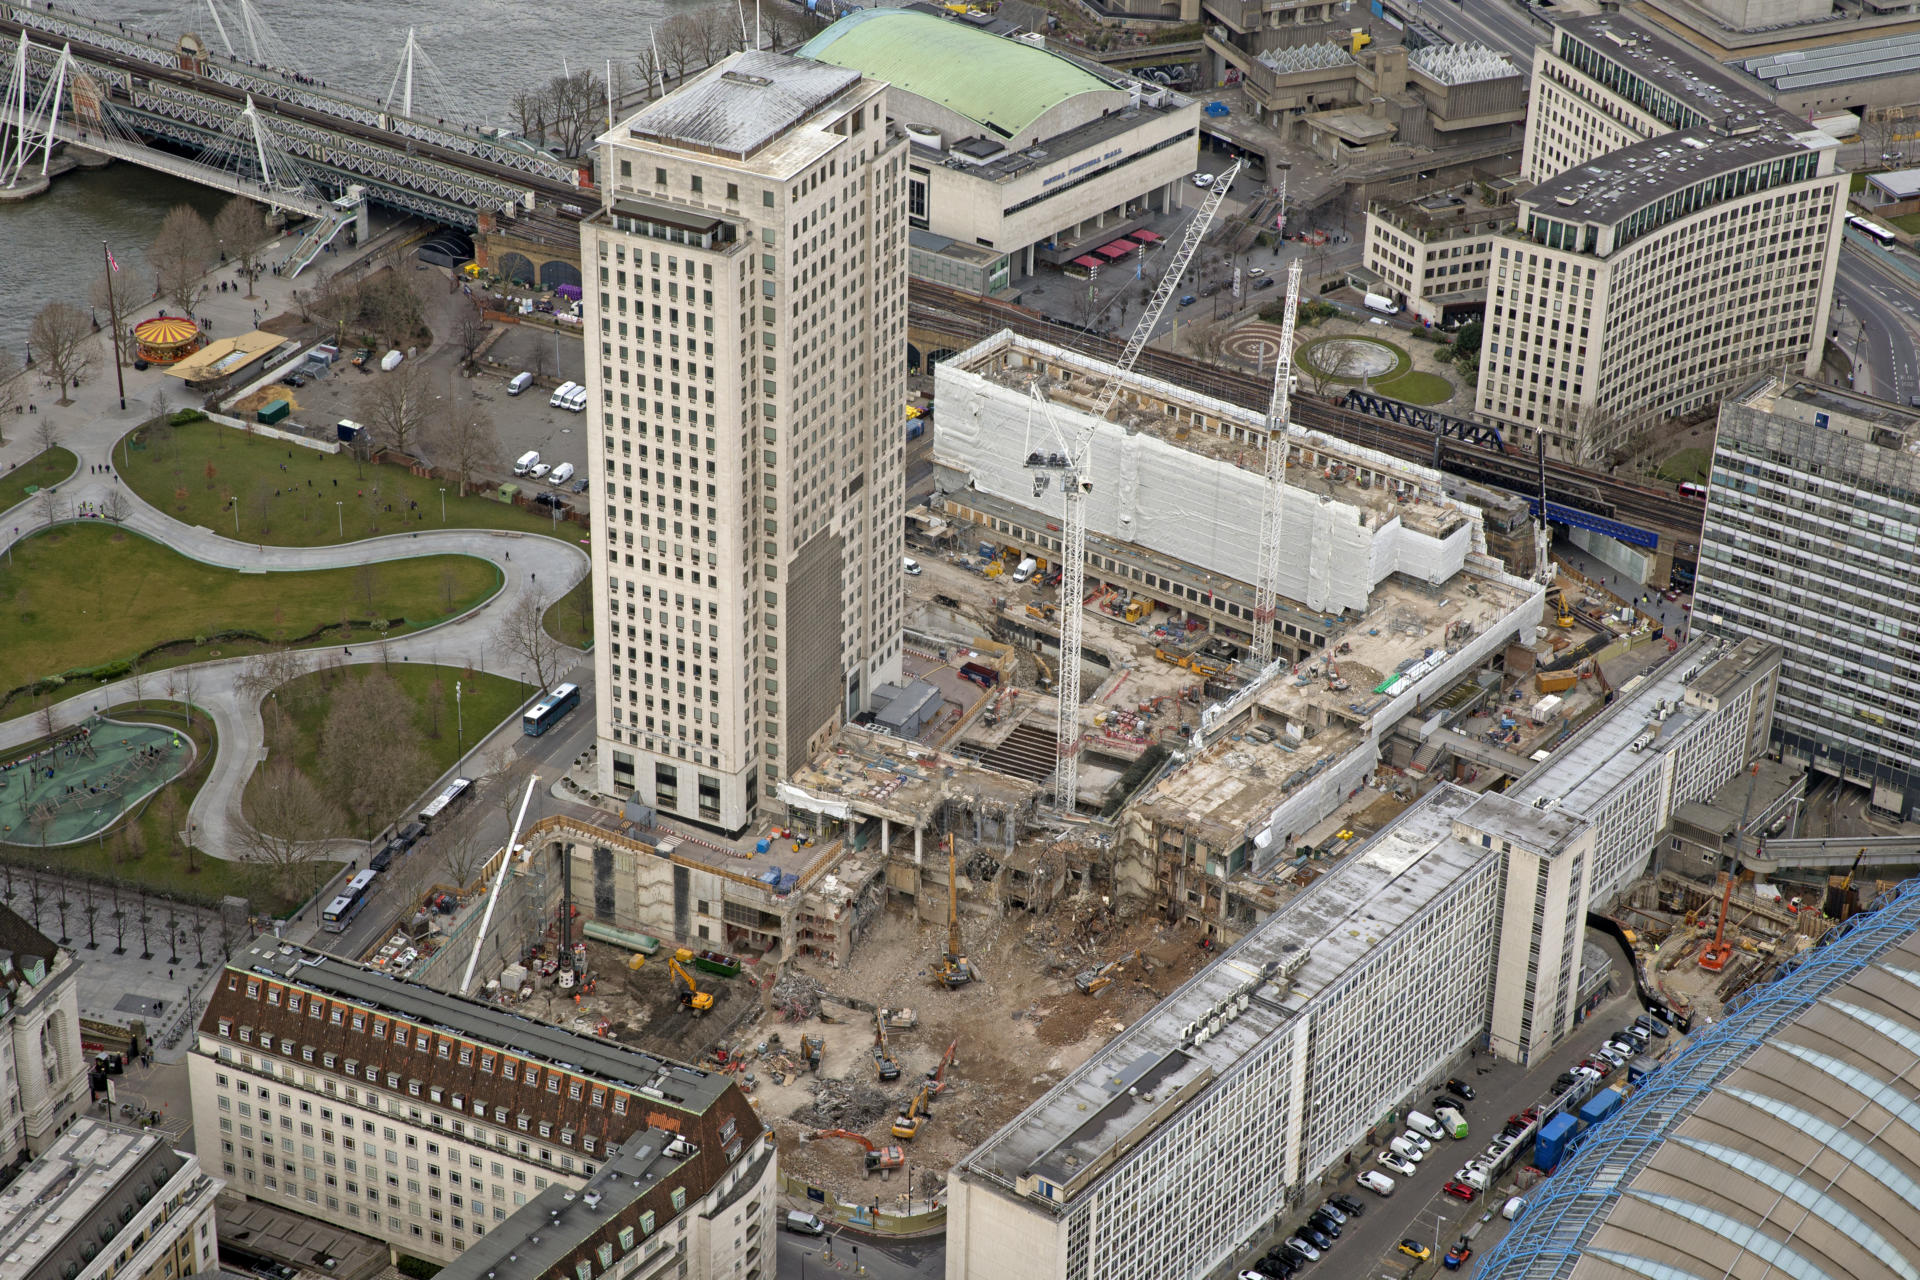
(954, 969)
(878, 1157)
(693, 997)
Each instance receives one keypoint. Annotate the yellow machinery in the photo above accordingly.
(1042, 609)
(1563, 616)
(908, 1125)
(1138, 608)
(883, 1063)
(810, 1048)
(954, 969)
(693, 997)
(1094, 981)
(636, 960)
(995, 569)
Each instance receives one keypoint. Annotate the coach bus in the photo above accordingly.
(341, 911)
(1872, 230)
(445, 800)
(551, 709)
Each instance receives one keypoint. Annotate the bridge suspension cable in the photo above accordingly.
(31, 119)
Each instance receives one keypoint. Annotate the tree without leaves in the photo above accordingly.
(648, 68)
(240, 230)
(718, 32)
(578, 104)
(464, 442)
(395, 406)
(181, 255)
(46, 435)
(529, 109)
(679, 41)
(337, 303)
(67, 344)
(470, 329)
(268, 670)
(120, 293)
(13, 389)
(523, 634)
(284, 819)
(369, 756)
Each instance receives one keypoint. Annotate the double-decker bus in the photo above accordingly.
(341, 911)
(550, 710)
(447, 798)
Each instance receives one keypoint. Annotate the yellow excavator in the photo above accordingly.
(908, 1124)
(1562, 615)
(884, 1064)
(693, 997)
(1094, 981)
(954, 969)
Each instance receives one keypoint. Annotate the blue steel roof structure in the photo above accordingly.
(1555, 1233)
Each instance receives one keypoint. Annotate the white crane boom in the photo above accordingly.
(1266, 592)
(1076, 481)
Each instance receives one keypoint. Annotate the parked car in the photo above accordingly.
(1280, 1263)
(361, 357)
(1324, 1224)
(1208, 291)
(539, 471)
(1654, 1025)
(1333, 1210)
(1265, 282)
(294, 380)
(1315, 1237)
(1565, 1081)
(1391, 1161)
(1301, 1249)
(1202, 179)
(803, 1223)
(910, 566)
(1353, 1208)
(1188, 300)
(1497, 1151)
(1414, 1249)
(1419, 1140)
(1460, 1191)
(580, 485)
(1460, 1089)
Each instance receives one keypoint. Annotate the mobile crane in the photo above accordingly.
(1714, 956)
(954, 969)
(693, 997)
(907, 1125)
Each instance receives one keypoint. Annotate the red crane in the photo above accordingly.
(1714, 956)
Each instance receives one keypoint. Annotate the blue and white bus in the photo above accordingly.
(341, 911)
(551, 709)
(445, 800)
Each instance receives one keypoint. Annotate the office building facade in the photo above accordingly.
(746, 324)
(1813, 517)
(43, 1069)
(429, 1121)
(1682, 234)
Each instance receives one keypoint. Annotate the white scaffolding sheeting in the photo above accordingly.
(1187, 506)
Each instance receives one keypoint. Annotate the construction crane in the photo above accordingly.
(907, 1124)
(1076, 481)
(693, 997)
(1094, 981)
(954, 969)
(883, 1061)
(1714, 956)
(1266, 590)
(878, 1157)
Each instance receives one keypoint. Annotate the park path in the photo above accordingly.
(94, 423)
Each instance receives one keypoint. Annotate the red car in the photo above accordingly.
(1460, 1191)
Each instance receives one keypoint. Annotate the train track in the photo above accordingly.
(971, 317)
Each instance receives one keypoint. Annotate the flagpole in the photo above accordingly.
(113, 314)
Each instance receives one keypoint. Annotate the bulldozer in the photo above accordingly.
(883, 1060)
(954, 969)
(1094, 981)
(693, 997)
(878, 1157)
(907, 1124)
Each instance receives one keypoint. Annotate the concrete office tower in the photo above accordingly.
(1682, 236)
(746, 333)
(1809, 542)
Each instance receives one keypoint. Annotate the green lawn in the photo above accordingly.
(41, 470)
(83, 595)
(319, 499)
(1304, 353)
(1417, 388)
(1856, 184)
(442, 731)
(1688, 464)
(570, 618)
(1907, 222)
(156, 859)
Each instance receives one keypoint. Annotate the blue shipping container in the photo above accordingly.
(1552, 1142)
(1600, 1106)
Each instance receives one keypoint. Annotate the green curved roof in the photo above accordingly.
(1003, 84)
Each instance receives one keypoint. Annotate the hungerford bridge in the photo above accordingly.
(239, 125)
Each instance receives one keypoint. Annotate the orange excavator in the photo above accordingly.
(1714, 956)
(937, 1078)
(878, 1157)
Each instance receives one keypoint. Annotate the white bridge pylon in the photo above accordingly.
(31, 120)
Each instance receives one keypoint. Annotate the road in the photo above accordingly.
(799, 1257)
(1882, 305)
(1419, 1208)
(1498, 24)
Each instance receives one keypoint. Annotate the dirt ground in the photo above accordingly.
(1016, 1032)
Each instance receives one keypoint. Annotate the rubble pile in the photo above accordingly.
(840, 1104)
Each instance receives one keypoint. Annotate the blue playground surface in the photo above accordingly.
(82, 783)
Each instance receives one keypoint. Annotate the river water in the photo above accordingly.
(481, 54)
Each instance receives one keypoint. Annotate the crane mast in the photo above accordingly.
(1075, 483)
(1266, 592)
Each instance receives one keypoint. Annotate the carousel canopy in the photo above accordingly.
(166, 331)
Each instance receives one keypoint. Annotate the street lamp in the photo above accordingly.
(460, 724)
(443, 504)
(340, 514)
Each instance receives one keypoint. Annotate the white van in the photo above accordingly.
(1513, 1208)
(803, 1223)
(1424, 1124)
(1383, 304)
(520, 382)
(560, 393)
(561, 474)
(1407, 1151)
(1025, 569)
(1378, 1183)
(526, 462)
(576, 400)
